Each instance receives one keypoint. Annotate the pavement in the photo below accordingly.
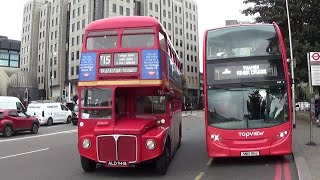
(307, 157)
(52, 154)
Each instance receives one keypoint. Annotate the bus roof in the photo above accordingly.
(240, 25)
(123, 22)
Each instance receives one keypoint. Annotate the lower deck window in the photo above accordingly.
(150, 105)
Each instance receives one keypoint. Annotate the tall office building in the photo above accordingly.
(59, 39)
(234, 22)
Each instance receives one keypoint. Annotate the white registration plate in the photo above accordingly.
(250, 153)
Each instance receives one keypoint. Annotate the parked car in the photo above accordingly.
(12, 121)
(74, 117)
(50, 113)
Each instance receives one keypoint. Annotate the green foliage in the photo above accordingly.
(305, 26)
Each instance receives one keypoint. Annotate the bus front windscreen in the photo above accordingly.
(242, 41)
(247, 107)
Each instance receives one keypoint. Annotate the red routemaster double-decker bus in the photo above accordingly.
(247, 92)
(130, 94)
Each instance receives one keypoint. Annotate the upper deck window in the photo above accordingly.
(242, 41)
(138, 38)
(102, 40)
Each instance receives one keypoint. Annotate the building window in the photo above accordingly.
(77, 70)
(195, 69)
(156, 8)
(150, 5)
(78, 40)
(54, 74)
(114, 8)
(72, 42)
(73, 13)
(164, 13)
(127, 12)
(121, 10)
(55, 34)
(187, 57)
(78, 25)
(83, 23)
(56, 21)
(83, 9)
(79, 11)
(73, 26)
(72, 71)
(195, 59)
(188, 68)
(55, 60)
(72, 56)
(78, 54)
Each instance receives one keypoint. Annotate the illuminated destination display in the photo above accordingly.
(121, 59)
(244, 71)
(118, 70)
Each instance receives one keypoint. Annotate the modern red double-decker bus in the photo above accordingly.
(130, 94)
(247, 92)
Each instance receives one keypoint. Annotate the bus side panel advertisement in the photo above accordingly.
(87, 68)
(151, 64)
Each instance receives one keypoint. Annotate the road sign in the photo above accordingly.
(315, 75)
(315, 56)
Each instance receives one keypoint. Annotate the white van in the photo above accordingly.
(10, 102)
(50, 113)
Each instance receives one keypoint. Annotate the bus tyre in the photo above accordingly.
(68, 120)
(87, 164)
(162, 162)
(50, 122)
(8, 131)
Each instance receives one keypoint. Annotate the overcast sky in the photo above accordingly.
(212, 14)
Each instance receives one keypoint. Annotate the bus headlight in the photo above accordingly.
(150, 144)
(86, 143)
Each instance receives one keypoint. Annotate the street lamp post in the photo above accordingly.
(51, 74)
(292, 68)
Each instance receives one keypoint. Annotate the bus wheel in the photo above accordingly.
(88, 165)
(162, 162)
(180, 136)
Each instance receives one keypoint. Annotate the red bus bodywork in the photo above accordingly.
(276, 140)
(121, 140)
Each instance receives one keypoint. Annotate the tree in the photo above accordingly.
(305, 26)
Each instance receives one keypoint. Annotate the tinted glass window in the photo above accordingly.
(150, 105)
(105, 42)
(139, 40)
(250, 107)
(242, 41)
(96, 103)
(1, 115)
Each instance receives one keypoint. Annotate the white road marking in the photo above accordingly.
(5, 157)
(209, 162)
(42, 135)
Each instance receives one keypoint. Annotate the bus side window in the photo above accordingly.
(162, 41)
